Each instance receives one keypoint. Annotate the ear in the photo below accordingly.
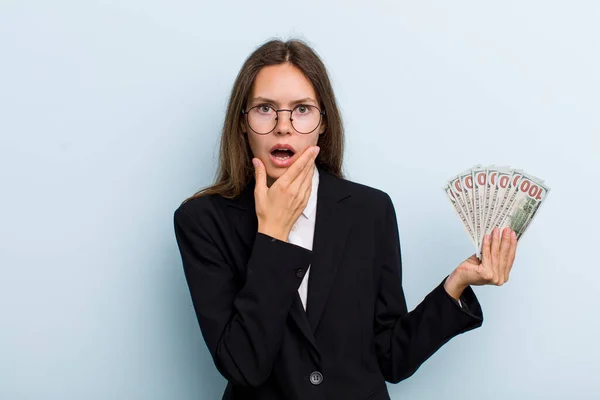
(243, 125)
(322, 128)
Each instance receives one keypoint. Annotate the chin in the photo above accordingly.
(275, 172)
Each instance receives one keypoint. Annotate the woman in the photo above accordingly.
(294, 271)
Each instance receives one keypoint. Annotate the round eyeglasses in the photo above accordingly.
(262, 119)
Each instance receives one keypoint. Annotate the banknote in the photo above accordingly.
(486, 197)
(460, 212)
(528, 198)
(457, 194)
(479, 181)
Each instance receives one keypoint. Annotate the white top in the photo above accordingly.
(303, 231)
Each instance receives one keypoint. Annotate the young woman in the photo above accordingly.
(294, 271)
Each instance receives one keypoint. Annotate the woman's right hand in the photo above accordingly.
(279, 206)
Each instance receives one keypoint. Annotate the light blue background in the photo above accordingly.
(110, 116)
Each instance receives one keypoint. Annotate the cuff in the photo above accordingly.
(467, 302)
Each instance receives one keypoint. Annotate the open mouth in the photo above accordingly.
(282, 154)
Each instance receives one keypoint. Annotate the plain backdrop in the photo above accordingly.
(110, 114)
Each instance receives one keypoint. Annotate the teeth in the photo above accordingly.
(282, 158)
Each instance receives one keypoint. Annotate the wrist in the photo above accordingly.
(276, 233)
(454, 286)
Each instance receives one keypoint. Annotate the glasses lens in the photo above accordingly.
(263, 119)
(305, 118)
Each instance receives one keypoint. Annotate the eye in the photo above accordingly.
(303, 108)
(264, 108)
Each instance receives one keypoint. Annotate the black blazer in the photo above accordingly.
(356, 332)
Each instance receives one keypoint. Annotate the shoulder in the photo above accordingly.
(367, 196)
(197, 208)
(371, 206)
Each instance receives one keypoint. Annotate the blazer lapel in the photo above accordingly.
(331, 230)
(332, 226)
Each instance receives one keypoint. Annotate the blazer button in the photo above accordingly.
(316, 378)
(300, 273)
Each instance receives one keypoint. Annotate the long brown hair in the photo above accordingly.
(235, 169)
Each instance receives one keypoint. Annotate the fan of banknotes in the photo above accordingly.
(489, 197)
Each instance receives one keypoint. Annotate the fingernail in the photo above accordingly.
(255, 162)
(315, 150)
(513, 234)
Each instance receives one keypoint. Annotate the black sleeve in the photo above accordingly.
(404, 340)
(243, 331)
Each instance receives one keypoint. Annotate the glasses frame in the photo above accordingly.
(321, 114)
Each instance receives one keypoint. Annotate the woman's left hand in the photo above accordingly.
(497, 257)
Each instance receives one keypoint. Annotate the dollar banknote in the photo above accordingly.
(486, 197)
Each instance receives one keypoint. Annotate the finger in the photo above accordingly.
(473, 259)
(486, 251)
(495, 255)
(260, 175)
(308, 170)
(304, 181)
(299, 165)
(512, 253)
(504, 252)
(306, 187)
(309, 173)
(495, 246)
(306, 173)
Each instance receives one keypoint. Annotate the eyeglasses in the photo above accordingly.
(262, 119)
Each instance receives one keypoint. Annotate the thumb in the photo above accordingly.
(473, 259)
(260, 174)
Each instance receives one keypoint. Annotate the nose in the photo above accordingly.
(284, 122)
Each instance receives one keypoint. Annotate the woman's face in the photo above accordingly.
(281, 87)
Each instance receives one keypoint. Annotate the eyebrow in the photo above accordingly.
(304, 100)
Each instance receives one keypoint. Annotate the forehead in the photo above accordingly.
(283, 83)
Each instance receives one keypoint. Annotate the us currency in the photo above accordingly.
(489, 199)
(458, 192)
(508, 198)
(528, 198)
(479, 181)
(459, 211)
(502, 185)
(486, 197)
(466, 182)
